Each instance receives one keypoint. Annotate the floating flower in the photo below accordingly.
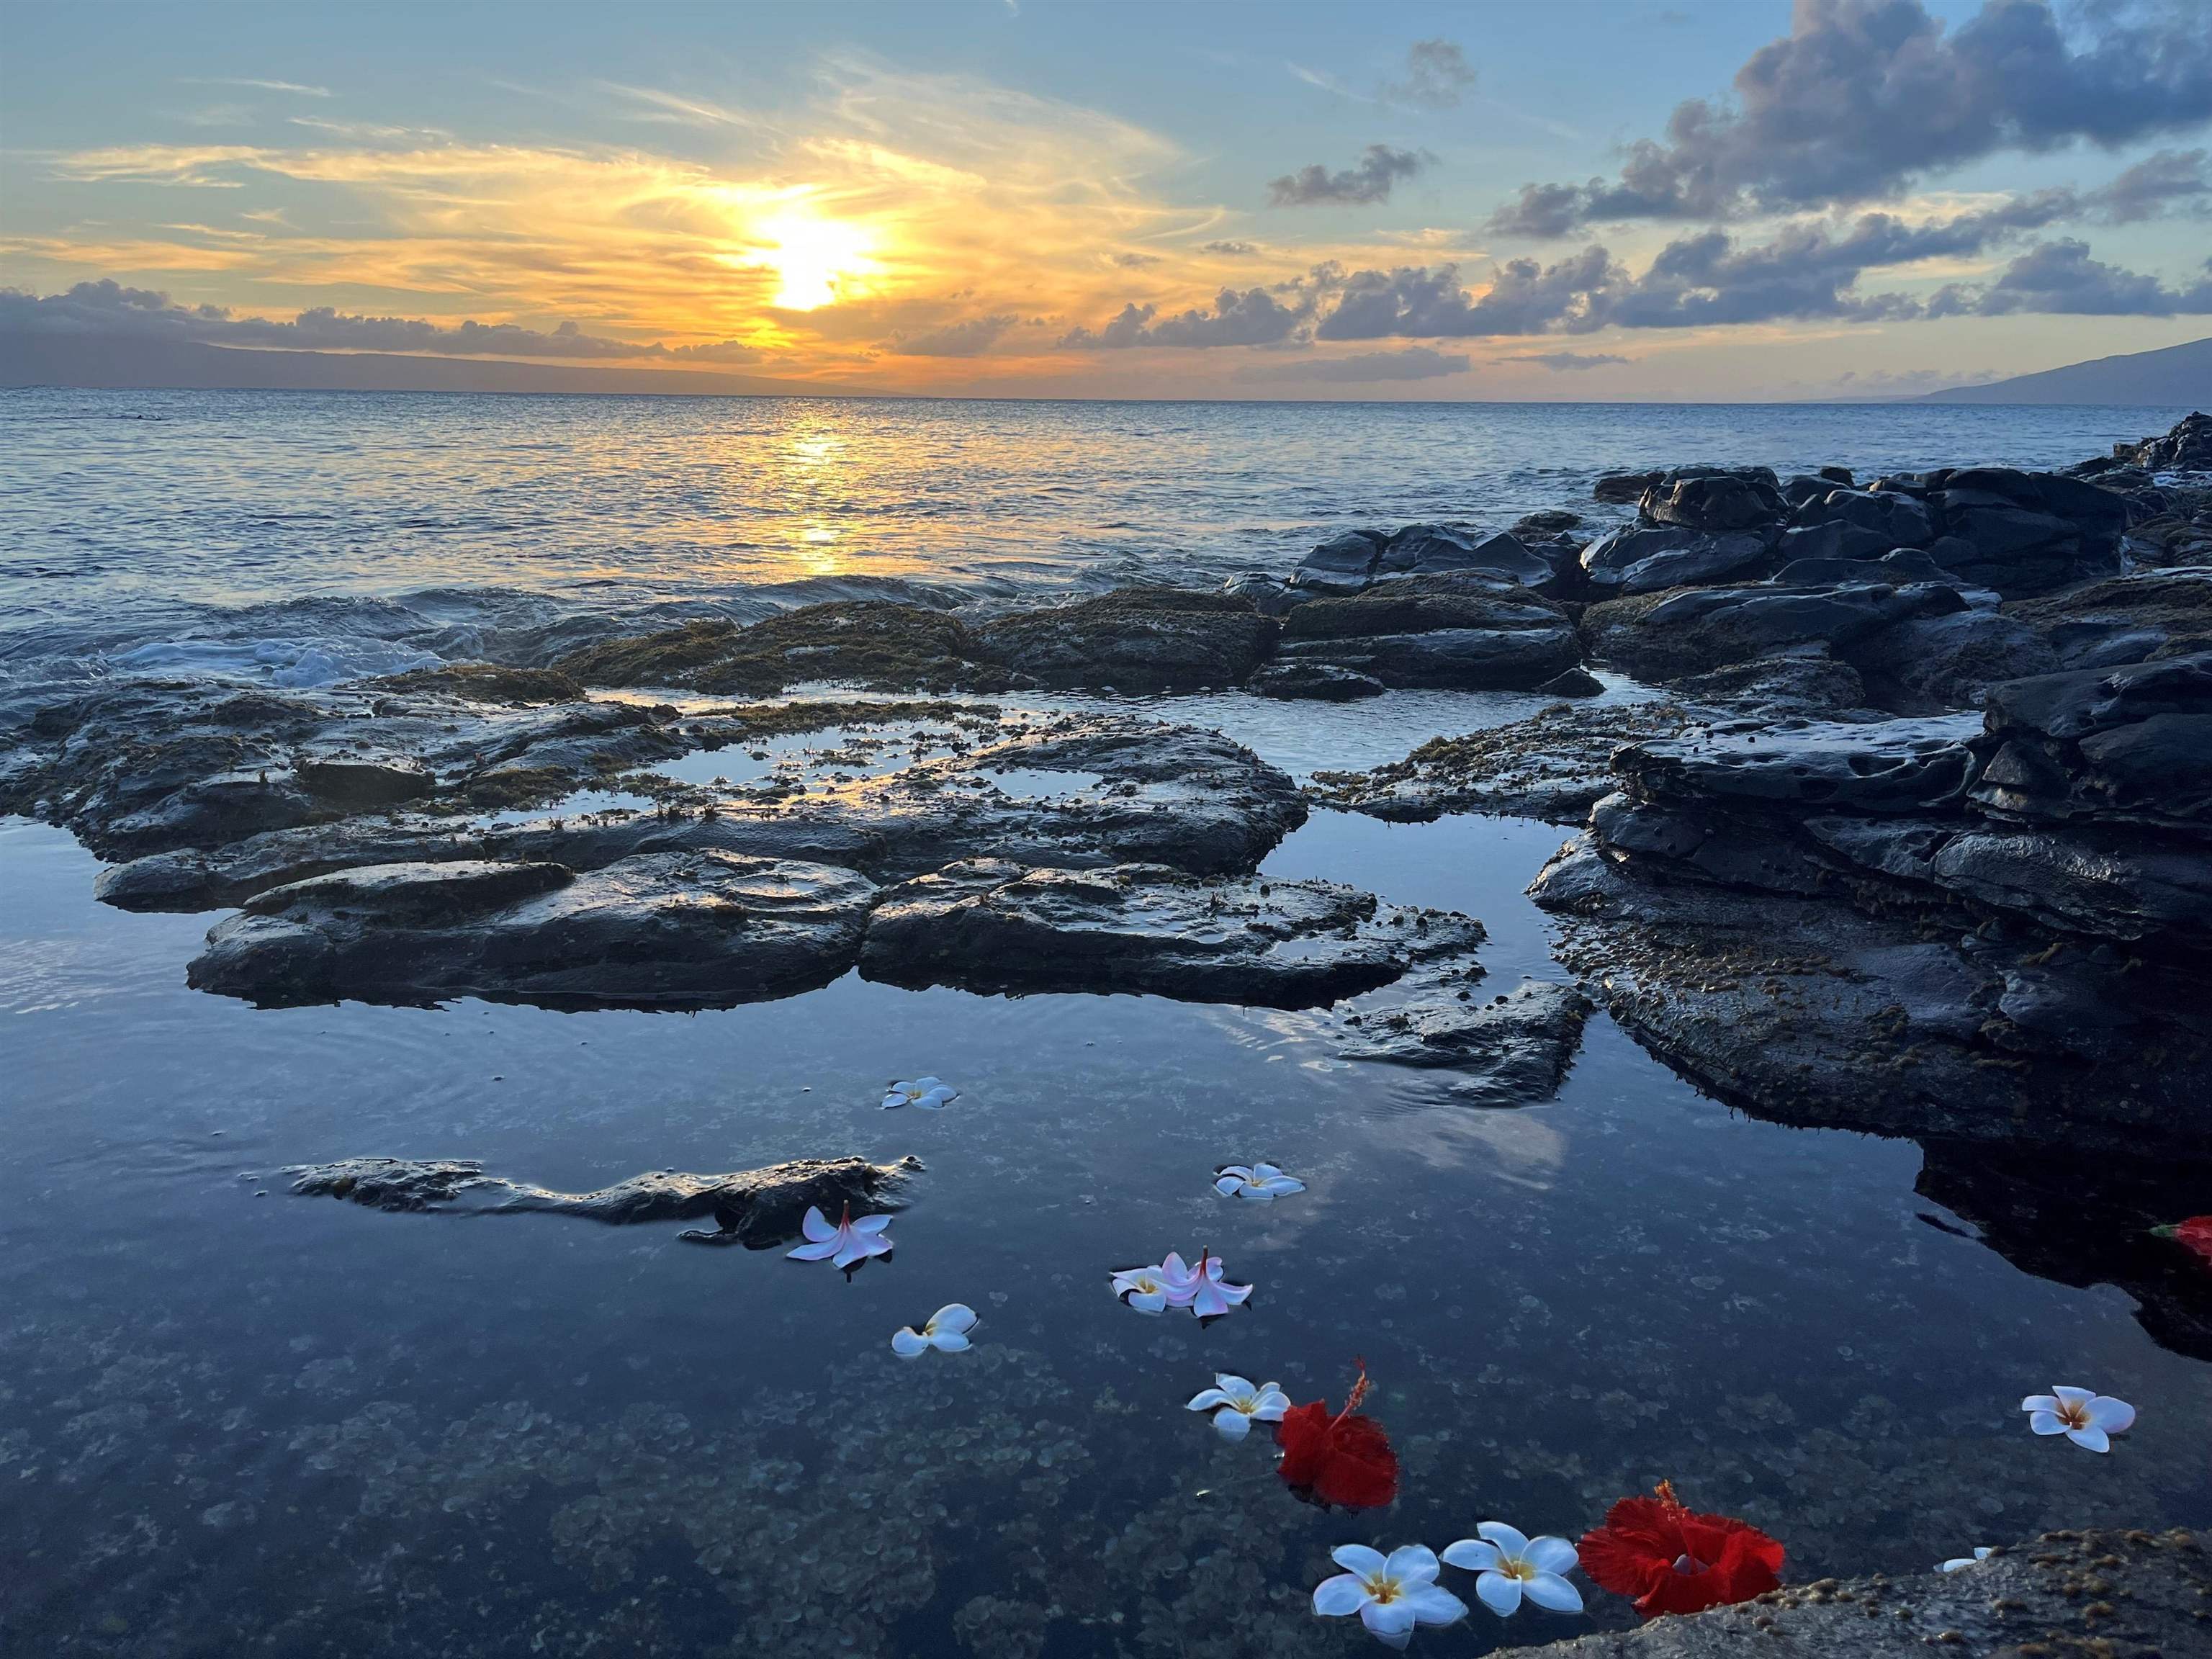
(929, 1093)
(1342, 1459)
(1513, 1565)
(1235, 1404)
(1672, 1560)
(2086, 1418)
(1391, 1594)
(946, 1331)
(1982, 1552)
(1260, 1181)
(1200, 1288)
(1144, 1289)
(849, 1242)
(2194, 1234)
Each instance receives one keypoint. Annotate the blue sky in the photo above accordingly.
(1127, 199)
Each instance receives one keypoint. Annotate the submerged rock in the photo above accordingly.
(1511, 1050)
(1315, 682)
(658, 930)
(2087, 1593)
(991, 926)
(756, 1208)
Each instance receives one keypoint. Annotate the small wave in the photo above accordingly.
(310, 662)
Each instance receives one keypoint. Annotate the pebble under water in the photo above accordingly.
(236, 1421)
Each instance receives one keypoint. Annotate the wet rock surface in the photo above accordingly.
(870, 643)
(1072, 790)
(992, 927)
(2120, 1595)
(1467, 630)
(1136, 640)
(657, 930)
(756, 1208)
(1505, 1051)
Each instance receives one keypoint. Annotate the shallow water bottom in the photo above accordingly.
(239, 1421)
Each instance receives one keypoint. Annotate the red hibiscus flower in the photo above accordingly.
(1671, 1559)
(2194, 1234)
(1343, 1458)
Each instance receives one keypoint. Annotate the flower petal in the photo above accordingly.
(870, 1223)
(893, 1101)
(1412, 1564)
(2038, 1402)
(1271, 1405)
(1208, 1301)
(1553, 1555)
(907, 1342)
(2075, 1397)
(1475, 1554)
(1149, 1301)
(820, 1250)
(1282, 1186)
(1388, 1618)
(922, 1086)
(816, 1226)
(1510, 1541)
(2112, 1416)
(1206, 1399)
(2046, 1423)
(1434, 1605)
(2094, 1439)
(954, 1316)
(1255, 1192)
(1230, 1383)
(1233, 1423)
(1550, 1591)
(850, 1251)
(1263, 1171)
(1226, 1183)
(1334, 1598)
(1357, 1557)
(949, 1342)
(1500, 1593)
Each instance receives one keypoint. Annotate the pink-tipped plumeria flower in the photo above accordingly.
(1200, 1288)
(849, 1242)
(1259, 1182)
(1237, 1405)
(1513, 1565)
(1391, 1594)
(2086, 1418)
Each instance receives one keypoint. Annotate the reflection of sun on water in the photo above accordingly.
(815, 260)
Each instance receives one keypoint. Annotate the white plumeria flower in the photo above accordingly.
(1260, 1181)
(1391, 1594)
(1144, 1289)
(930, 1094)
(2086, 1418)
(1201, 1289)
(849, 1242)
(1235, 1404)
(1982, 1552)
(946, 1331)
(1513, 1565)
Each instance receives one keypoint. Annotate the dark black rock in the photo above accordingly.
(1665, 637)
(1644, 559)
(1715, 500)
(1429, 549)
(2187, 448)
(661, 930)
(872, 643)
(992, 927)
(1464, 630)
(759, 1209)
(1928, 663)
(2128, 745)
(1624, 486)
(1343, 564)
(1319, 682)
(1135, 640)
(2025, 532)
(1575, 683)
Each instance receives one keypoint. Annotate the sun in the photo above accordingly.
(815, 260)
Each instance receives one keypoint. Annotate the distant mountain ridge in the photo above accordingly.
(2176, 376)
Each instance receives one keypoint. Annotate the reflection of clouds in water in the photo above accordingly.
(1525, 1144)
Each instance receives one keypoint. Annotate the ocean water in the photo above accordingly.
(237, 1421)
(297, 536)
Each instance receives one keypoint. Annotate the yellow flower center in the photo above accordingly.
(1382, 1589)
(2072, 1415)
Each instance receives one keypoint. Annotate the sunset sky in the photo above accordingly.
(1475, 201)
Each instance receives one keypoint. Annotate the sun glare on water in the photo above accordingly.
(815, 260)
